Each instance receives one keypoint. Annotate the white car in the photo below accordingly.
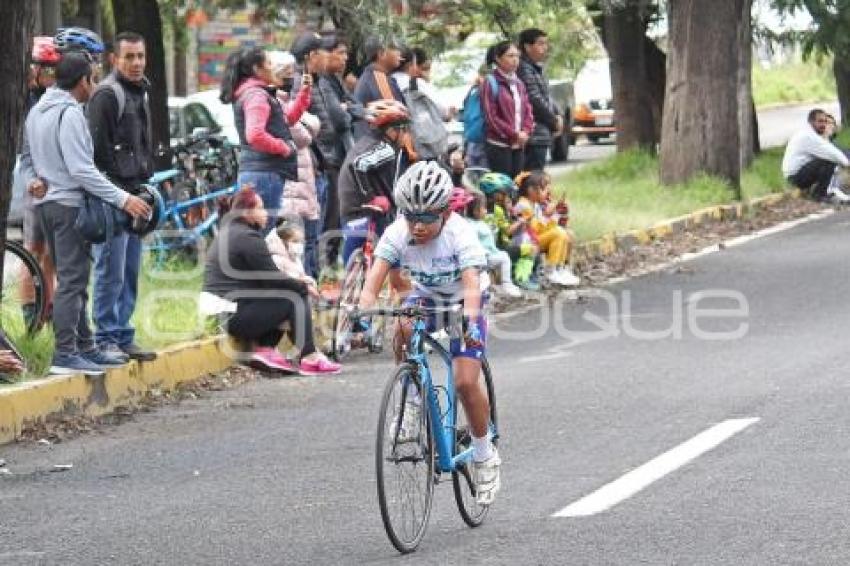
(186, 115)
(222, 113)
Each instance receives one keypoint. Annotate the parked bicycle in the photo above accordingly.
(23, 283)
(413, 450)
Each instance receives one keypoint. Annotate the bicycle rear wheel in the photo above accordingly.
(24, 301)
(471, 512)
(352, 286)
(404, 459)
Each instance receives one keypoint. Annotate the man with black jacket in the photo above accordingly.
(547, 123)
(120, 123)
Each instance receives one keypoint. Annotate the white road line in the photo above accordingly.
(634, 481)
(544, 357)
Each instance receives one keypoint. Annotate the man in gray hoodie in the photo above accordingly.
(58, 167)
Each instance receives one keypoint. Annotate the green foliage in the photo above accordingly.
(794, 82)
(829, 34)
(623, 192)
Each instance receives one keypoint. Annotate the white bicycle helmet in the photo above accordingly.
(424, 187)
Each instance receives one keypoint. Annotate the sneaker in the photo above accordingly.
(568, 278)
(105, 358)
(320, 365)
(837, 196)
(554, 277)
(271, 359)
(486, 477)
(114, 350)
(411, 421)
(71, 364)
(137, 353)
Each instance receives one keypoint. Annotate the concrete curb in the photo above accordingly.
(610, 244)
(34, 401)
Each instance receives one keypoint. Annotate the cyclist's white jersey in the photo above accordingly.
(435, 267)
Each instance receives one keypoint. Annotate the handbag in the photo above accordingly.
(98, 221)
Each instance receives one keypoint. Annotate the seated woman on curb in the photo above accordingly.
(240, 271)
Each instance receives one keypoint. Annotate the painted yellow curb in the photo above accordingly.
(30, 402)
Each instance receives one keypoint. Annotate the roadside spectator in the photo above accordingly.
(542, 229)
(58, 164)
(240, 270)
(428, 131)
(336, 141)
(299, 196)
(267, 154)
(286, 244)
(831, 130)
(120, 122)
(496, 259)
(810, 161)
(507, 113)
(45, 57)
(376, 82)
(547, 122)
(283, 73)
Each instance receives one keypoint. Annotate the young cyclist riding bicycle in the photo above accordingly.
(444, 259)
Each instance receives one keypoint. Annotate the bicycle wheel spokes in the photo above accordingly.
(352, 285)
(404, 459)
(471, 512)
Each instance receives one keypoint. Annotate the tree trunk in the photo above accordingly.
(624, 37)
(17, 21)
(700, 130)
(745, 87)
(841, 70)
(142, 16)
(656, 79)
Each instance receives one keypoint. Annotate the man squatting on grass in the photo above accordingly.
(810, 161)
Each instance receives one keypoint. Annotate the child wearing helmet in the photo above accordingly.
(447, 265)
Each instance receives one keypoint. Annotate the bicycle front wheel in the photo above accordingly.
(404, 459)
(471, 512)
(24, 302)
(349, 293)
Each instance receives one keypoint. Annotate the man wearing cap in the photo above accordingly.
(57, 164)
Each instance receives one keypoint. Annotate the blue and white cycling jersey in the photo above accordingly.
(435, 267)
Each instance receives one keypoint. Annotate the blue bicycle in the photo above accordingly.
(415, 446)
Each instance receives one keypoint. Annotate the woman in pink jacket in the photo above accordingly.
(299, 196)
(508, 116)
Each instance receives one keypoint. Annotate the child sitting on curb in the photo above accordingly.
(496, 258)
(498, 189)
(542, 227)
(286, 244)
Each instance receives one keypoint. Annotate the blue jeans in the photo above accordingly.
(116, 284)
(270, 188)
(311, 245)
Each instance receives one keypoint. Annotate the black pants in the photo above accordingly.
(535, 157)
(504, 159)
(331, 238)
(814, 177)
(258, 320)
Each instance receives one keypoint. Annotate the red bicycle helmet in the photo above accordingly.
(44, 51)
(459, 199)
(386, 113)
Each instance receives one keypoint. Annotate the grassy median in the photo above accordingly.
(623, 192)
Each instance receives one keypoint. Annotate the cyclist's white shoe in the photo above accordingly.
(837, 196)
(411, 424)
(486, 477)
(568, 278)
(510, 290)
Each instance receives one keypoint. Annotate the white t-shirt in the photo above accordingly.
(805, 146)
(435, 267)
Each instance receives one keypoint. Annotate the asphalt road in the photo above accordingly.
(776, 126)
(281, 471)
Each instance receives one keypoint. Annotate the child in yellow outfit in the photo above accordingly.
(535, 207)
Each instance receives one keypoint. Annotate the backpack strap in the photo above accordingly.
(494, 86)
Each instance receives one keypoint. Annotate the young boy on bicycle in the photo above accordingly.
(444, 258)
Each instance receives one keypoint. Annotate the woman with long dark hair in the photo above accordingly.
(507, 113)
(268, 154)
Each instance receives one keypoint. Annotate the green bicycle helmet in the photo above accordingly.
(492, 183)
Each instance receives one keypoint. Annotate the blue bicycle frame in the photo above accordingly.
(443, 419)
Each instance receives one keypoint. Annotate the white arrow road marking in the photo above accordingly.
(634, 481)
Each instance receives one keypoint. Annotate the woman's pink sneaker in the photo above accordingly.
(271, 359)
(319, 366)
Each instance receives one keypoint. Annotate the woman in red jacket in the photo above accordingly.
(507, 112)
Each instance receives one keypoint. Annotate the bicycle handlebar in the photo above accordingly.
(417, 311)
